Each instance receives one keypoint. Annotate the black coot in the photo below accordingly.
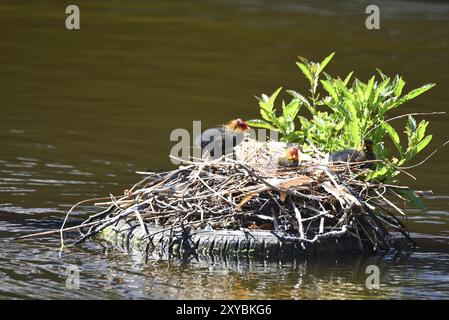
(221, 141)
(352, 155)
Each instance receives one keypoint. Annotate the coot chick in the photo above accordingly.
(290, 159)
(352, 155)
(221, 141)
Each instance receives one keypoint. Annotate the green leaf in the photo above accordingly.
(394, 136)
(413, 198)
(382, 75)
(354, 132)
(292, 109)
(264, 105)
(330, 89)
(274, 96)
(348, 77)
(423, 143)
(420, 132)
(303, 60)
(377, 175)
(352, 110)
(411, 124)
(306, 71)
(359, 88)
(302, 99)
(348, 93)
(327, 76)
(369, 88)
(416, 92)
(257, 123)
(326, 60)
(266, 116)
(380, 89)
(264, 98)
(399, 85)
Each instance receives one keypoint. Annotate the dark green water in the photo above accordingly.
(81, 111)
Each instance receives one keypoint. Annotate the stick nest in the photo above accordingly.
(308, 201)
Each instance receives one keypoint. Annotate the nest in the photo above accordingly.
(308, 201)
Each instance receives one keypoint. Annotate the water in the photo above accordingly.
(82, 111)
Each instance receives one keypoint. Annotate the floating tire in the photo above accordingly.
(251, 243)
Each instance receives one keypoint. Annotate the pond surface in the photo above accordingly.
(81, 111)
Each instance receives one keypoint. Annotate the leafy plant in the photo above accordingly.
(344, 112)
(285, 123)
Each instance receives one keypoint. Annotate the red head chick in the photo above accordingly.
(237, 125)
(292, 154)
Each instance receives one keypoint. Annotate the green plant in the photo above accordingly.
(285, 123)
(342, 113)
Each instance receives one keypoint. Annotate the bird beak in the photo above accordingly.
(293, 154)
(244, 126)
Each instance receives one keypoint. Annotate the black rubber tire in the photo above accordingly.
(255, 243)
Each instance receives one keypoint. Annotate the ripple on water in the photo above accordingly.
(15, 190)
(59, 165)
(28, 211)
